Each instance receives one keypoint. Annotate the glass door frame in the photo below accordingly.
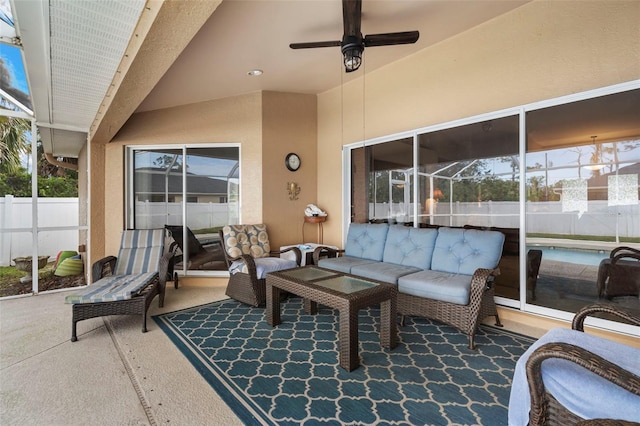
(184, 149)
(519, 111)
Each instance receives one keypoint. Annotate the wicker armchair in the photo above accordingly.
(249, 258)
(575, 348)
(619, 275)
(125, 285)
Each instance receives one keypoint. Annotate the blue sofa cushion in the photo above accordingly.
(366, 240)
(579, 390)
(443, 286)
(344, 263)
(462, 251)
(383, 271)
(410, 246)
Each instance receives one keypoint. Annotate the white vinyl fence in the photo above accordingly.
(15, 213)
(199, 215)
(542, 217)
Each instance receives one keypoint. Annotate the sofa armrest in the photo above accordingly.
(99, 268)
(583, 313)
(483, 279)
(577, 355)
(325, 251)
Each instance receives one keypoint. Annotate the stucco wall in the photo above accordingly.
(289, 125)
(233, 120)
(266, 125)
(542, 50)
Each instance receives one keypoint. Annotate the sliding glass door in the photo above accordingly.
(559, 179)
(583, 163)
(193, 192)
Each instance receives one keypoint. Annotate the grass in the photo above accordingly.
(213, 230)
(9, 274)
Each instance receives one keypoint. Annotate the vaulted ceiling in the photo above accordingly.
(91, 64)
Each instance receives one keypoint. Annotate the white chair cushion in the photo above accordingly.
(264, 265)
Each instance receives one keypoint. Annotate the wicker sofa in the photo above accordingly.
(443, 274)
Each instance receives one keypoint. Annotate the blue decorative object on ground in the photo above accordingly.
(290, 374)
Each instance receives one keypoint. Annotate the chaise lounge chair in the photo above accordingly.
(125, 285)
(202, 255)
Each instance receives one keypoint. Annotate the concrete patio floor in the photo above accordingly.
(113, 375)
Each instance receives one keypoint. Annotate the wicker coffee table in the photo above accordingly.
(346, 293)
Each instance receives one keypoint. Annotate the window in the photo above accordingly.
(469, 175)
(193, 186)
(573, 168)
(582, 168)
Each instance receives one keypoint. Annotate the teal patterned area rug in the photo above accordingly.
(289, 374)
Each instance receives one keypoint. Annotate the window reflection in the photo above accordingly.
(582, 168)
(381, 182)
(581, 171)
(204, 182)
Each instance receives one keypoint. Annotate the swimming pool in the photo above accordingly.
(582, 257)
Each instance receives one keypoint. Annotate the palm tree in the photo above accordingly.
(14, 142)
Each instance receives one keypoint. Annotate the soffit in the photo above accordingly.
(72, 50)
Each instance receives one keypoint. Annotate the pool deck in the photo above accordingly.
(579, 244)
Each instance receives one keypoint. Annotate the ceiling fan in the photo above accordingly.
(353, 43)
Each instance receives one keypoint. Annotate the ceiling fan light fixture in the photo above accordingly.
(352, 59)
(352, 44)
(352, 49)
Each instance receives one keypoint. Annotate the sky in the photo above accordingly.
(12, 74)
(12, 59)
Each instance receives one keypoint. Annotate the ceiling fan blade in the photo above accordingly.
(313, 44)
(352, 17)
(406, 37)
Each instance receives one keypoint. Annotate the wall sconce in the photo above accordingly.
(293, 190)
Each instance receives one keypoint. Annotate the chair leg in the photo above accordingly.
(161, 299)
(74, 337)
(144, 321)
(498, 323)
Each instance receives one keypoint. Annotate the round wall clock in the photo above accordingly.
(292, 161)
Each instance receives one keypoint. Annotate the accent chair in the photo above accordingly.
(249, 258)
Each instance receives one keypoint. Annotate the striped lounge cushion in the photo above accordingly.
(113, 288)
(140, 251)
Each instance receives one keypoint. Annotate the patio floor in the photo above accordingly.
(113, 374)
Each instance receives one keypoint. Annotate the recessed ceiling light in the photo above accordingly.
(255, 72)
